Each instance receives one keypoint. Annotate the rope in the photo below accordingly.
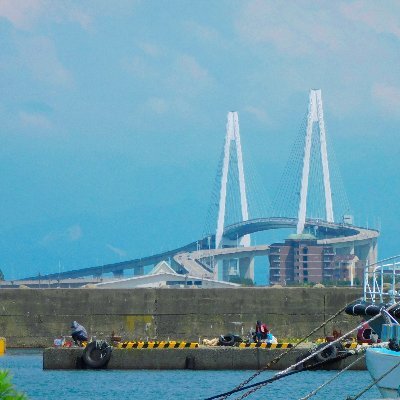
(314, 392)
(277, 358)
(270, 380)
(374, 382)
(320, 350)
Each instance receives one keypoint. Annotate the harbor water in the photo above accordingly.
(28, 376)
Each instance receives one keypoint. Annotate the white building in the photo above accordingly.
(163, 275)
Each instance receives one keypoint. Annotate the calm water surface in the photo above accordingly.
(28, 376)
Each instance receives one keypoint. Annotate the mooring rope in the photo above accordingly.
(374, 382)
(270, 380)
(315, 391)
(284, 373)
(279, 357)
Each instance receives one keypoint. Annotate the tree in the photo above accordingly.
(241, 281)
(1, 275)
(7, 390)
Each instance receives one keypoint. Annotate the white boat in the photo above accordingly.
(380, 361)
(381, 296)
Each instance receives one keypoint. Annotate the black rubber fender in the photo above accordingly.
(97, 354)
(330, 353)
(395, 311)
(227, 340)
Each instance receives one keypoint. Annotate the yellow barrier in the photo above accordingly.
(354, 345)
(157, 345)
(2, 345)
(267, 345)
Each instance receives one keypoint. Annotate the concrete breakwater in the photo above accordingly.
(202, 358)
(34, 317)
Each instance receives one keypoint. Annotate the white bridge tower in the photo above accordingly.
(232, 135)
(315, 114)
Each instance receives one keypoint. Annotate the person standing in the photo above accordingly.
(78, 333)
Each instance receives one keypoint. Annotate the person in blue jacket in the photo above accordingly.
(78, 333)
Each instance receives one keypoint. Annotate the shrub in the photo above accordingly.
(7, 390)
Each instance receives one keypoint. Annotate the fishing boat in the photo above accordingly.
(383, 362)
(381, 299)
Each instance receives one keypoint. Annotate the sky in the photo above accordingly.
(113, 116)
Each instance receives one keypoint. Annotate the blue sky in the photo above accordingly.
(113, 116)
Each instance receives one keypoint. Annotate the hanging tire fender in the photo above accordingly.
(227, 340)
(330, 353)
(97, 354)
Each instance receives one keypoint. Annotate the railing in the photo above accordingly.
(387, 272)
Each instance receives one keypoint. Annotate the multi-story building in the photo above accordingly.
(348, 268)
(300, 260)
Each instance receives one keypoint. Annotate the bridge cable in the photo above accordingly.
(286, 197)
(279, 357)
(339, 193)
(209, 225)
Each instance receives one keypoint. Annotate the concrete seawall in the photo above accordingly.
(34, 317)
(203, 358)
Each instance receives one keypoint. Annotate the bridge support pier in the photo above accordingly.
(237, 268)
(138, 270)
(118, 274)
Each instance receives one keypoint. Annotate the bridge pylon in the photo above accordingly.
(315, 115)
(242, 267)
(232, 138)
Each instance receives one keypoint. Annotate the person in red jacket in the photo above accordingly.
(261, 331)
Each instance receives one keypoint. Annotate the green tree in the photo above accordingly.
(7, 390)
(1, 275)
(241, 281)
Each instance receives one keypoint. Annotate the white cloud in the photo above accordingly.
(150, 49)
(185, 78)
(295, 29)
(382, 17)
(34, 120)
(71, 234)
(204, 33)
(157, 105)
(24, 14)
(40, 57)
(74, 233)
(259, 113)
(21, 13)
(340, 47)
(82, 18)
(189, 65)
(388, 97)
(117, 251)
(139, 67)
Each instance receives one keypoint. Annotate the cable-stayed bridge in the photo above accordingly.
(310, 198)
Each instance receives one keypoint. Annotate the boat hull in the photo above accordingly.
(379, 361)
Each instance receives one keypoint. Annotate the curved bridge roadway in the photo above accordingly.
(189, 256)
